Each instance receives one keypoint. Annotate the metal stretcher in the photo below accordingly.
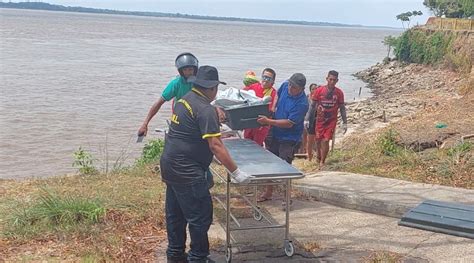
(267, 169)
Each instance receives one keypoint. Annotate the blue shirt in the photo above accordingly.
(291, 108)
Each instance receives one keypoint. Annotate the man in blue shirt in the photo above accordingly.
(286, 132)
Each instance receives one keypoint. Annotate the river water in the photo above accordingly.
(69, 79)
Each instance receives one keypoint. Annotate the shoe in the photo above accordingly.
(179, 259)
(207, 260)
(176, 260)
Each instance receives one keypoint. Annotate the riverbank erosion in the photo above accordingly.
(418, 126)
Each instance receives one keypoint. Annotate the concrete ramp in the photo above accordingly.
(444, 217)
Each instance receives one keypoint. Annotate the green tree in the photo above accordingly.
(390, 41)
(451, 8)
(407, 16)
(467, 7)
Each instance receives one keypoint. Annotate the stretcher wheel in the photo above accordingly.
(228, 254)
(289, 248)
(257, 215)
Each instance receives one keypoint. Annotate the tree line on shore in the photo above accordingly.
(50, 7)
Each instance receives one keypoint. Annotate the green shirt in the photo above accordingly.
(176, 88)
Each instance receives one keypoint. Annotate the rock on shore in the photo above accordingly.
(399, 91)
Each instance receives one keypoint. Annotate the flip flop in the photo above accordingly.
(263, 198)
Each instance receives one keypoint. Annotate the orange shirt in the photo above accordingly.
(261, 92)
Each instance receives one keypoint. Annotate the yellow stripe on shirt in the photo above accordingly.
(187, 106)
(208, 135)
(198, 92)
(267, 92)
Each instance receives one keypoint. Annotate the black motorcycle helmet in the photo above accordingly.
(186, 60)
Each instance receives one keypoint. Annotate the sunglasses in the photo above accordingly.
(267, 78)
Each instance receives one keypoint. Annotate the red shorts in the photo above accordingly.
(257, 135)
(325, 132)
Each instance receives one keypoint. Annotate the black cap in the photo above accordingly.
(298, 79)
(206, 77)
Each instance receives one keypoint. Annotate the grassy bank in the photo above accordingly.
(383, 153)
(86, 218)
(451, 49)
(126, 223)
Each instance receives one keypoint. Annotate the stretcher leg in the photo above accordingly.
(288, 245)
(228, 255)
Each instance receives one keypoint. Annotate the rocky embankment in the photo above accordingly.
(400, 90)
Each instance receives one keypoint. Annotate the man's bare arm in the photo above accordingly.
(342, 108)
(151, 113)
(278, 123)
(218, 149)
(311, 112)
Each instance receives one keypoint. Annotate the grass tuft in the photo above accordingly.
(53, 212)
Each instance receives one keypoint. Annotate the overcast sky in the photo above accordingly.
(363, 12)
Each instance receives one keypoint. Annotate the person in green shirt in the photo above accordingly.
(187, 65)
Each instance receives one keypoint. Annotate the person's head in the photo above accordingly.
(207, 81)
(250, 78)
(187, 64)
(268, 77)
(312, 87)
(296, 84)
(332, 78)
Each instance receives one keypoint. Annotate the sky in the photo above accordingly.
(360, 12)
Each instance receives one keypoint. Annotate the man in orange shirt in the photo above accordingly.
(263, 89)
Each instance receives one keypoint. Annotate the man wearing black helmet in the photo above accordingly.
(187, 65)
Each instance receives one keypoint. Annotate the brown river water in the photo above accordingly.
(69, 79)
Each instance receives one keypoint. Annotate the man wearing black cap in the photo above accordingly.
(286, 132)
(193, 139)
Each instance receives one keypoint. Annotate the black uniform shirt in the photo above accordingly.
(186, 155)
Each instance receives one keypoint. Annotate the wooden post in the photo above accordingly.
(384, 117)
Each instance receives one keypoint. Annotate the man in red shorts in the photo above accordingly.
(326, 102)
(263, 89)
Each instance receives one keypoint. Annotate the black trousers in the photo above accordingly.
(282, 148)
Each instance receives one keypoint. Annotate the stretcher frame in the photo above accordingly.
(258, 213)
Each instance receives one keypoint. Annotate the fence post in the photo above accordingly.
(455, 23)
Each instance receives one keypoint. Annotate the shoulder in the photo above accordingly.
(255, 86)
(173, 83)
(207, 111)
(303, 99)
(320, 89)
(317, 92)
(283, 86)
(175, 80)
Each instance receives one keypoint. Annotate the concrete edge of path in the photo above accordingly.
(355, 201)
(376, 195)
